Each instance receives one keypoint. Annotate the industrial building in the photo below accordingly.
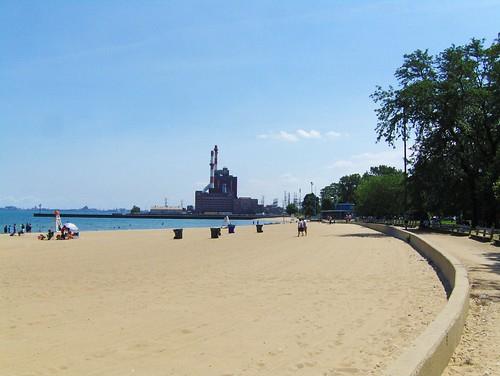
(221, 194)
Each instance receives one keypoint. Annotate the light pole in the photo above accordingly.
(312, 194)
(406, 175)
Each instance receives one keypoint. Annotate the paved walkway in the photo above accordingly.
(479, 350)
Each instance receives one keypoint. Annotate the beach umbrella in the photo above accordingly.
(71, 226)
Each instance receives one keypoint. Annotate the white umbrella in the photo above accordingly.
(71, 226)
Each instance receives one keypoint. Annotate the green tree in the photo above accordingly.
(380, 195)
(496, 189)
(310, 204)
(381, 170)
(135, 210)
(292, 209)
(347, 186)
(449, 103)
(327, 203)
(331, 192)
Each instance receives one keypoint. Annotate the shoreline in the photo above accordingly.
(87, 224)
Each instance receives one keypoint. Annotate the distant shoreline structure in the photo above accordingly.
(158, 216)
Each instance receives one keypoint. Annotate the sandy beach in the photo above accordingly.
(344, 300)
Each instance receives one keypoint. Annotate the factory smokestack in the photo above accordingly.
(213, 166)
(216, 154)
(212, 170)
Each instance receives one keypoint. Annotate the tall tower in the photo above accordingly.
(216, 150)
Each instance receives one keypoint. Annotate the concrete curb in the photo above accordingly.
(430, 353)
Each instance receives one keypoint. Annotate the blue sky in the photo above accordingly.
(114, 103)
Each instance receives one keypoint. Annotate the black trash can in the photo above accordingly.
(214, 232)
(259, 228)
(177, 233)
(230, 228)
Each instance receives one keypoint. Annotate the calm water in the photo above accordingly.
(42, 224)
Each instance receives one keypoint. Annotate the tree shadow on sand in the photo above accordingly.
(364, 235)
(489, 286)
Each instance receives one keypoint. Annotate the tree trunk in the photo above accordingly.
(473, 199)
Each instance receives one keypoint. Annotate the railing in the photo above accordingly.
(391, 222)
(483, 234)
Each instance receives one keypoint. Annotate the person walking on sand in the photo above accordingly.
(300, 227)
(305, 227)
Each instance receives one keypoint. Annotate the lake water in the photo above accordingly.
(42, 224)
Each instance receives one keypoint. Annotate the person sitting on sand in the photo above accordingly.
(50, 235)
(64, 233)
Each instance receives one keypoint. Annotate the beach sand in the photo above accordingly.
(345, 300)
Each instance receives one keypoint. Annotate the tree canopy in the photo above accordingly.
(449, 104)
(292, 209)
(381, 195)
(378, 192)
(330, 195)
(347, 186)
(310, 204)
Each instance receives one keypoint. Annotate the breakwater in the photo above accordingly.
(155, 216)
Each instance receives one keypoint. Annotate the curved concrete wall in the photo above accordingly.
(430, 353)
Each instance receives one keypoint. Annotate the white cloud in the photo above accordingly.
(280, 136)
(333, 134)
(308, 134)
(299, 134)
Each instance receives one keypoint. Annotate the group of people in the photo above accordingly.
(65, 234)
(19, 230)
(302, 227)
(50, 235)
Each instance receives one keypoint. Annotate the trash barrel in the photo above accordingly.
(230, 228)
(259, 228)
(177, 233)
(214, 232)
